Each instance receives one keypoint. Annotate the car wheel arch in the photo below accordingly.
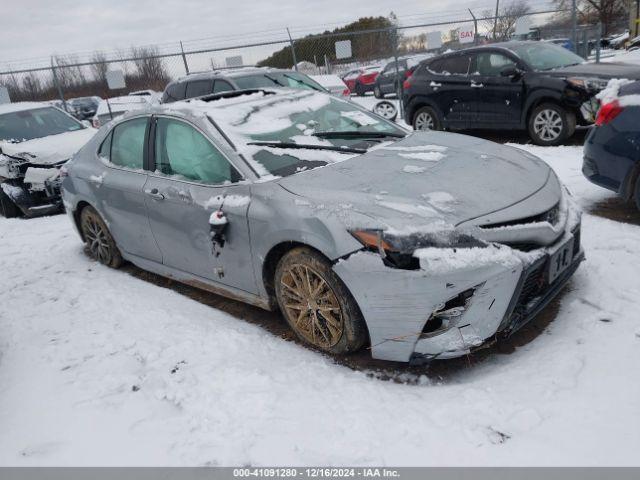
(535, 100)
(270, 263)
(421, 102)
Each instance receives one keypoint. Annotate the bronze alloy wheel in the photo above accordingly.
(309, 300)
(316, 303)
(98, 241)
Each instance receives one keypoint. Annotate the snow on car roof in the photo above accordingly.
(21, 106)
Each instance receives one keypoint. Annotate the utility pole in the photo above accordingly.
(574, 25)
(293, 51)
(495, 20)
(475, 28)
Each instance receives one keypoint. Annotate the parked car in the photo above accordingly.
(362, 80)
(390, 79)
(562, 42)
(110, 108)
(216, 81)
(333, 84)
(612, 149)
(534, 86)
(36, 139)
(412, 243)
(84, 108)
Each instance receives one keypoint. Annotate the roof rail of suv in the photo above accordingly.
(231, 94)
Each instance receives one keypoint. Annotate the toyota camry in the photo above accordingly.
(421, 246)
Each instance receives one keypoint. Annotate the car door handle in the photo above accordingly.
(476, 85)
(154, 193)
(435, 84)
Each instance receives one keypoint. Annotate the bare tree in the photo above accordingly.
(611, 13)
(99, 67)
(508, 15)
(150, 69)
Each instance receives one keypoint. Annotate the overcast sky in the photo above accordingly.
(39, 28)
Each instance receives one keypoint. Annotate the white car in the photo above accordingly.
(36, 139)
(111, 108)
(333, 84)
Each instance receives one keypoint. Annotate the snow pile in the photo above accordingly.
(230, 201)
(611, 92)
(413, 169)
(446, 260)
(424, 156)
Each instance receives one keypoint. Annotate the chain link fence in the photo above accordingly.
(152, 67)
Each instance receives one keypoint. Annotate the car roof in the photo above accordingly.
(21, 106)
(230, 73)
(209, 104)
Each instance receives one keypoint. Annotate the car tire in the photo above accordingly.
(549, 124)
(8, 208)
(99, 244)
(377, 92)
(359, 89)
(636, 195)
(426, 118)
(386, 110)
(316, 303)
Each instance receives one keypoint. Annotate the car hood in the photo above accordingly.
(49, 150)
(427, 178)
(599, 70)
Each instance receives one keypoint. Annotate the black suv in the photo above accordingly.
(534, 86)
(199, 84)
(389, 79)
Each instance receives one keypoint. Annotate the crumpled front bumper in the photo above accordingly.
(507, 287)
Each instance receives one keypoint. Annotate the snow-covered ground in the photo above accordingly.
(98, 367)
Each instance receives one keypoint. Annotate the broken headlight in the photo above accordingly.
(397, 250)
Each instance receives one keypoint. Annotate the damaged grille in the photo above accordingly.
(552, 215)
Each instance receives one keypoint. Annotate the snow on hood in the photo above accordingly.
(469, 178)
(51, 149)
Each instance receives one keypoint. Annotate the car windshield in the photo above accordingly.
(545, 56)
(83, 102)
(35, 123)
(300, 121)
(277, 79)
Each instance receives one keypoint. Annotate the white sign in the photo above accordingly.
(4, 95)
(523, 25)
(234, 61)
(434, 40)
(115, 79)
(343, 49)
(466, 35)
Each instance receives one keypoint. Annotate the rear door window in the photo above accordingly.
(198, 88)
(455, 65)
(222, 86)
(491, 63)
(174, 93)
(127, 144)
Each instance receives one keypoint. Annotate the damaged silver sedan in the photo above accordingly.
(422, 246)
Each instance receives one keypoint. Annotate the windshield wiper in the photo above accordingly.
(303, 83)
(358, 134)
(274, 80)
(309, 147)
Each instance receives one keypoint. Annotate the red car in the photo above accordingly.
(362, 80)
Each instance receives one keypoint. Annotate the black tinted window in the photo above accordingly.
(174, 93)
(198, 88)
(127, 144)
(457, 65)
(491, 63)
(256, 81)
(222, 86)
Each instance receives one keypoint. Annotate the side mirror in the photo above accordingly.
(509, 72)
